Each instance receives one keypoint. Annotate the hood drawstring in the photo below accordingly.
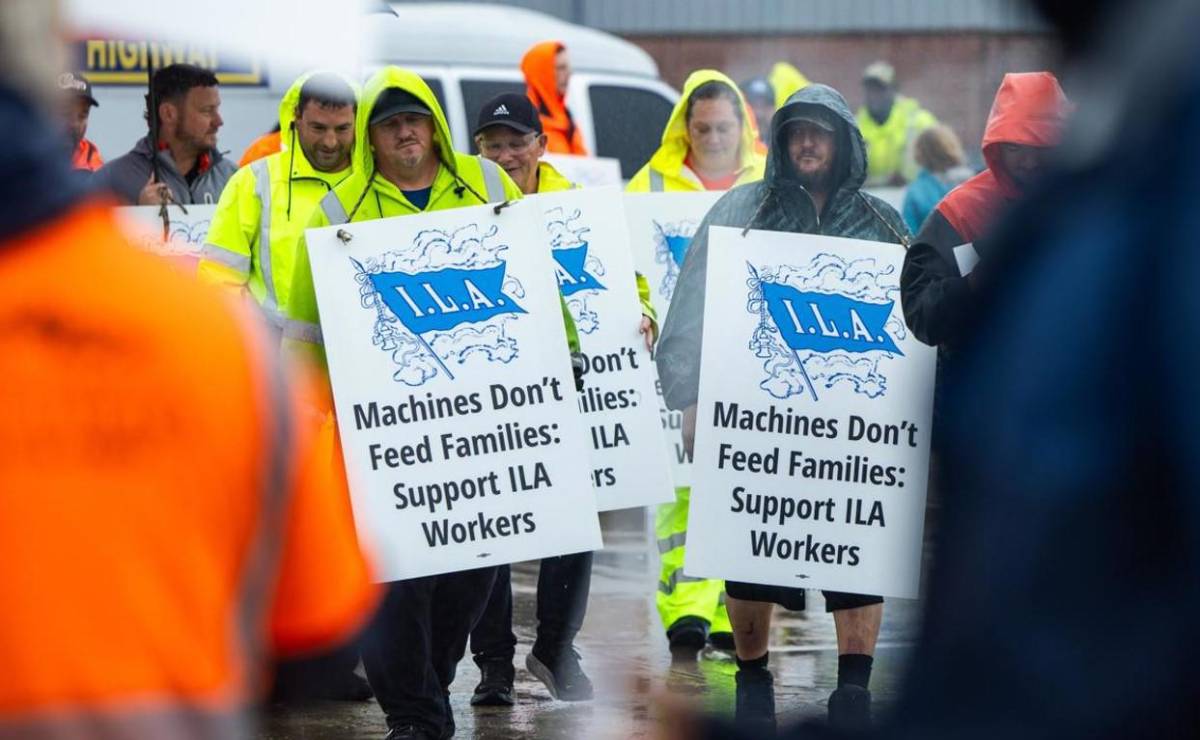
(903, 240)
(761, 204)
(291, 165)
(462, 186)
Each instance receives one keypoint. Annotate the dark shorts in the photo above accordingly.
(792, 599)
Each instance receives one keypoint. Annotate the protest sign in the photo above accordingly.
(813, 422)
(586, 172)
(661, 226)
(453, 389)
(586, 232)
(186, 232)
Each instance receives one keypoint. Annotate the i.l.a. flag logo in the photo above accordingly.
(571, 268)
(444, 299)
(827, 323)
(824, 322)
(441, 302)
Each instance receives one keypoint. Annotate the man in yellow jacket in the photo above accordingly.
(890, 123)
(708, 144)
(406, 165)
(266, 206)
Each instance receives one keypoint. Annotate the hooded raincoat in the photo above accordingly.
(262, 214)
(1030, 109)
(778, 202)
(666, 170)
(461, 180)
(562, 135)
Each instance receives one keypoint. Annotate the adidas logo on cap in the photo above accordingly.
(501, 111)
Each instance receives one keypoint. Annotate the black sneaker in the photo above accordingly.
(755, 705)
(409, 732)
(722, 641)
(495, 687)
(566, 681)
(850, 708)
(687, 636)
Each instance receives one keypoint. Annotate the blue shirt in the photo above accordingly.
(419, 198)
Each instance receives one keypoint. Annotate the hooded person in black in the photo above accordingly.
(816, 167)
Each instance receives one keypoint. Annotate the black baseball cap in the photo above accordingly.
(74, 83)
(512, 110)
(818, 115)
(395, 101)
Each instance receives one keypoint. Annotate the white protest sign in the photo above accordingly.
(661, 226)
(813, 422)
(186, 232)
(586, 231)
(586, 172)
(453, 390)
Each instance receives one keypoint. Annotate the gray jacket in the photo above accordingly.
(778, 202)
(126, 176)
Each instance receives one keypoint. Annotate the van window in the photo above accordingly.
(435, 86)
(477, 92)
(628, 122)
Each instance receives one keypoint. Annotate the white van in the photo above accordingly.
(467, 52)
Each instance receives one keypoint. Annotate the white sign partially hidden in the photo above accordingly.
(186, 232)
(586, 172)
(586, 231)
(812, 434)
(454, 393)
(661, 226)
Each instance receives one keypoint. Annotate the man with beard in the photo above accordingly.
(188, 163)
(263, 211)
(815, 168)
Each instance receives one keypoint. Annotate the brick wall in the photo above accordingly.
(955, 76)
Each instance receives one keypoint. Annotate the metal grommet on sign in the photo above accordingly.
(344, 236)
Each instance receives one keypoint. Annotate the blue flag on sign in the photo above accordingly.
(678, 246)
(572, 271)
(824, 322)
(443, 299)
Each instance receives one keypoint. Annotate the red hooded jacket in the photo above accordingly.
(563, 136)
(1030, 109)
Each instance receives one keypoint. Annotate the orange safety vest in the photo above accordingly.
(86, 157)
(263, 146)
(166, 522)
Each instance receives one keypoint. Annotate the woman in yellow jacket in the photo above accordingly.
(708, 144)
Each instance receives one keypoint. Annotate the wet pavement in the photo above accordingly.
(625, 653)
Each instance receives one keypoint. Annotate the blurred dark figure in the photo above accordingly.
(1064, 601)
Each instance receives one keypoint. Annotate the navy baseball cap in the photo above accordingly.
(74, 83)
(395, 101)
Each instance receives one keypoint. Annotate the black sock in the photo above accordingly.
(854, 668)
(759, 664)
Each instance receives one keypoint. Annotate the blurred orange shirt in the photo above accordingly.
(167, 521)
